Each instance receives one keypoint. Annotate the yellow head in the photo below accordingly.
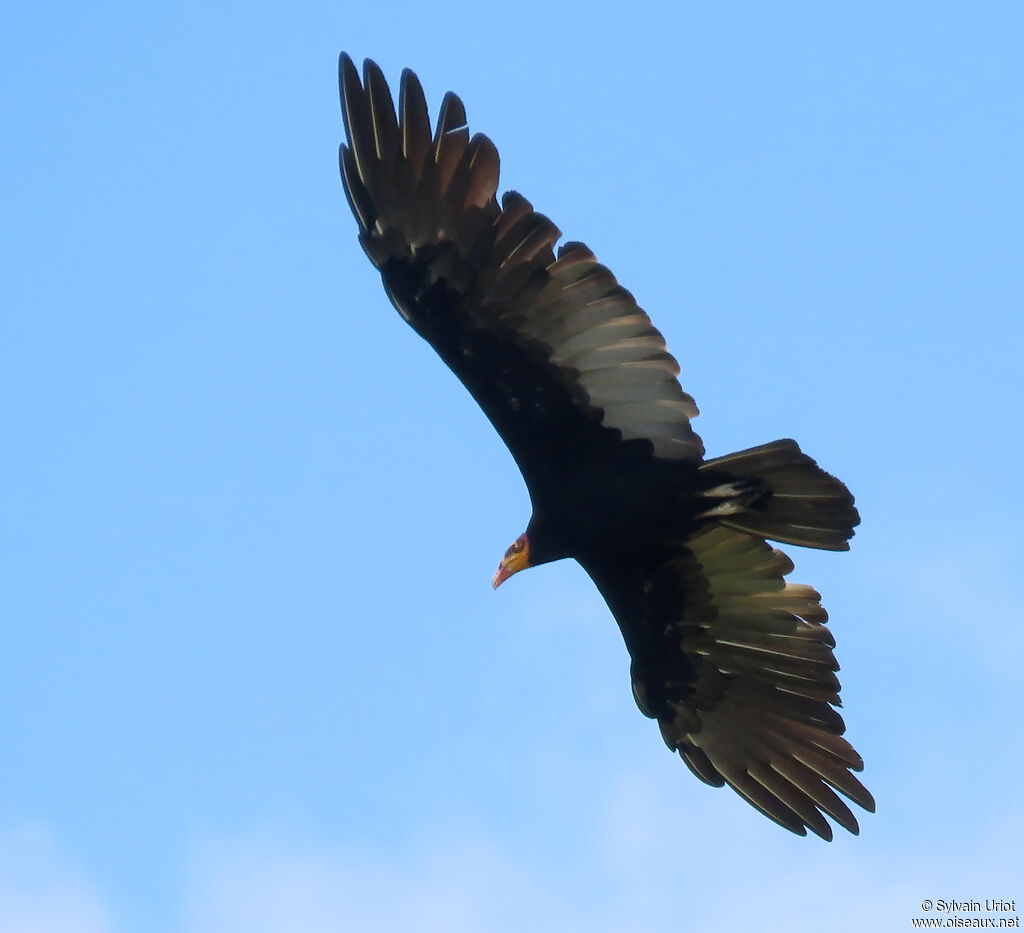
(516, 558)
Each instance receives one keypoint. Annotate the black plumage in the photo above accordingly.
(734, 663)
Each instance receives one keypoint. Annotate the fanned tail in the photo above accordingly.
(776, 491)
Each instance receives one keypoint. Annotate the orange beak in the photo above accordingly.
(516, 558)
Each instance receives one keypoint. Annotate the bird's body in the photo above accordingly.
(734, 663)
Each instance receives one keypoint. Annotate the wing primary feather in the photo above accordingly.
(476, 176)
(382, 111)
(450, 138)
(356, 112)
(414, 122)
(358, 197)
(514, 207)
(799, 801)
(484, 168)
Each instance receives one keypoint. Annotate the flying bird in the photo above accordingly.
(734, 663)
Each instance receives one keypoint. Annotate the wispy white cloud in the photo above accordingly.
(646, 863)
(645, 866)
(42, 891)
(263, 884)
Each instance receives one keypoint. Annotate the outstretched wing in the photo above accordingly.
(737, 667)
(554, 350)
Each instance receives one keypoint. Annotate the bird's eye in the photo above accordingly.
(514, 548)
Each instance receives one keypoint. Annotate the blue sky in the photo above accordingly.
(254, 677)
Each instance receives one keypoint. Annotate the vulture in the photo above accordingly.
(734, 662)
